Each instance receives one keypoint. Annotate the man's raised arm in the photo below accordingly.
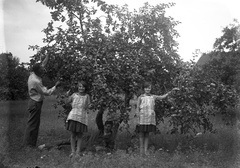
(45, 61)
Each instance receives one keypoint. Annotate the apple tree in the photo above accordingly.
(210, 89)
(115, 50)
(112, 48)
(202, 96)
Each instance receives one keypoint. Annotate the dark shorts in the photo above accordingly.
(146, 128)
(76, 126)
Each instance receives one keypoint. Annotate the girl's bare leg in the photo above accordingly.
(79, 142)
(73, 143)
(141, 140)
(146, 140)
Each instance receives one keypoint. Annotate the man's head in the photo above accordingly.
(108, 126)
(38, 69)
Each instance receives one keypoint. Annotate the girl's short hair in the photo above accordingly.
(84, 84)
(147, 84)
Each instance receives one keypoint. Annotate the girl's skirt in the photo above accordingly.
(76, 126)
(146, 128)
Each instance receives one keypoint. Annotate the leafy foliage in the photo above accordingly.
(13, 78)
(202, 96)
(110, 47)
(224, 66)
(115, 50)
(230, 39)
(225, 57)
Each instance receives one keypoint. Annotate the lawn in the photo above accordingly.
(219, 150)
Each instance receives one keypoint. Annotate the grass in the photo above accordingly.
(220, 150)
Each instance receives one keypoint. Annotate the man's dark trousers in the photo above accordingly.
(31, 134)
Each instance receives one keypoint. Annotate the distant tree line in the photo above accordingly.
(223, 63)
(13, 78)
(224, 60)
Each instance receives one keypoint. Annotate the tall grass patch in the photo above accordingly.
(205, 150)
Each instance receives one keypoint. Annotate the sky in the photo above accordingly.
(202, 21)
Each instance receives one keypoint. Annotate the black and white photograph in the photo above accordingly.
(119, 84)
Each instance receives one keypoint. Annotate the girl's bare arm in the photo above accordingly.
(88, 103)
(138, 105)
(69, 99)
(165, 95)
(160, 97)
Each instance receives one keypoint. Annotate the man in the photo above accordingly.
(36, 92)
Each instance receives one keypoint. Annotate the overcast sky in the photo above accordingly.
(22, 22)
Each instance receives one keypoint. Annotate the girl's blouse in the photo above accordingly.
(147, 113)
(79, 110)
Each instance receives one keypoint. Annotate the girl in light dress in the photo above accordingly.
(146, 115)
(77, 120)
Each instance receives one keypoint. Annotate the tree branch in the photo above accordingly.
(81, 23)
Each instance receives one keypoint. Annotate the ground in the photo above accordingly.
(219, 150)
